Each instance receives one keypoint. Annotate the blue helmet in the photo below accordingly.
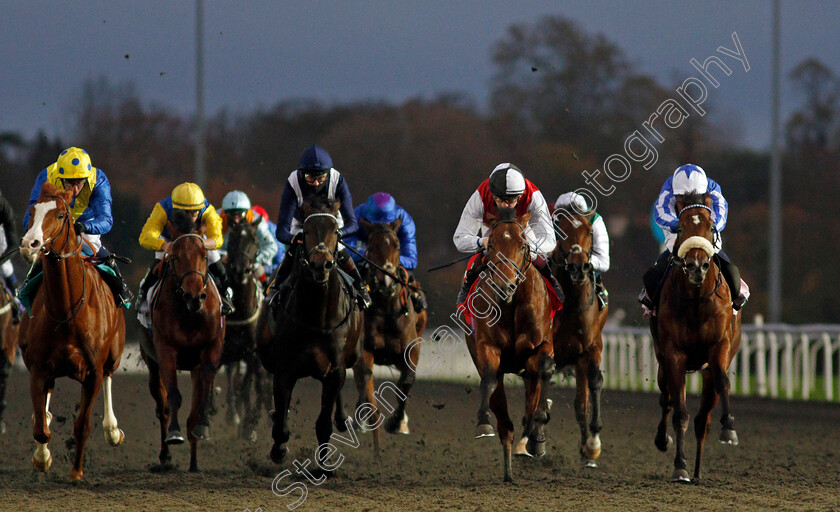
(381, 208)
(315, 159)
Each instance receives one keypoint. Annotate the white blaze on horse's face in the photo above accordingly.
(33, 240)
(696, 219)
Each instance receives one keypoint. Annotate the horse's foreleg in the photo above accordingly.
(231, 415)
(488, 363)
(198, 422)
(540, 368)
(330, 391)
(81, 429)
(113, 434)
(592, 446)
(340, 415)
(169, 376)
(398, 422)
(702, 422)
(40, 392)
(252, 411)
(5, 368)
(375, 419)
(283, 386)
(498, 403)
(676, 386)
(663, 440)
(721, 379)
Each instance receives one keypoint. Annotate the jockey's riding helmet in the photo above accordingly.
(236, 200)
(74, 163)
(380, 208)
(690, 178)
(187, 196)
(506, 181)
(315, 160)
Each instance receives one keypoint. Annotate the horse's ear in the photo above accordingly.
(396, 224)
(366, 225)
(707, 200)
(679, 203)
(336, 207)
(492, 219)
(525, 218)
(170, 227)
(307, 209)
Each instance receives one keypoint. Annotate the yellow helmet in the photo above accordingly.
(187, 196)
(74, 163)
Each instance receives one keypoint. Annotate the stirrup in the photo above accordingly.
(739, 302)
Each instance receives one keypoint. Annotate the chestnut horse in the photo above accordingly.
(188, 333)
(8, 347)
(577, 332)
(391, 323)
(314, 330)
(241, 331)
(511, 325)
(695, 329)
(79, 332)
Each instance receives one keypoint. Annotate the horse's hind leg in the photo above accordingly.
(248, 429)
(591, 448)
(488, 362)
(231, 415)
(540, 369)
(371, 423)
(398, 422)
(703, 420)
(158, 392)
(39, 391)
(81, 429)
(341, 416)
(663, 440)
(168, 374)
(113, 434)
(198, 423)
(498, 403)
(330, 391)
(5, 368)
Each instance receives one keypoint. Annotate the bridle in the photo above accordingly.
(180, 278)
(525, 248)
(680, 262)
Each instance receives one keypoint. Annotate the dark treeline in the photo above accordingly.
(562, 101)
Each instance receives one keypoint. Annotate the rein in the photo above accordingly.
(679, 262)
(58, 256)
(191, 271)
(528, 259)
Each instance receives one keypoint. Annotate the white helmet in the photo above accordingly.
(506, 180)
(572, 199)
(690, 178)
(236, 200)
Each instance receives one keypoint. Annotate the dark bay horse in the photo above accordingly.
(577, 330)
(695, 329)
(8, 347)
(73, 329)
(314, 330)
(188, 333)
(241, 330)
(511, 334)
(391, 323)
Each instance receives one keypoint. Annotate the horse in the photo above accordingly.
(391, 323)
(511, 335)
(8, 348)
(79, 332)
(315, 328)
(241, 330)
(577, 333)
(188, 333)
(695, 329)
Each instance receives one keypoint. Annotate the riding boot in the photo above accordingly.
(418, 297)
(217, 270)
(733, 279)
(124, 296)
(653, 280)
(359, 284)
(470, 276)
(601, 292)
(11, 284)
(541, 264)
(148, 281)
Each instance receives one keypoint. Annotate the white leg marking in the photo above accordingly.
(47, 408)
(113, 434)
(594, 443)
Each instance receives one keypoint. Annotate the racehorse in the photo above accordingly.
(577, 333)
(8, 347)
(314, 329)
(511, 325)
(188, 333)
(695, 329)
(79, 332)
(391, 323)
(241, 330)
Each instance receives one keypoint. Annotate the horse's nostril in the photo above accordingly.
(34, 244)
(329, 265)
(202, 296)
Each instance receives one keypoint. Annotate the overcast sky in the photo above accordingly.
(259, 53)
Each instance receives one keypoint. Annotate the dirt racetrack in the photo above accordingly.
(788, 459)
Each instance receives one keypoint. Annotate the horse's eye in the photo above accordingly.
(175, 258)
(60, 215)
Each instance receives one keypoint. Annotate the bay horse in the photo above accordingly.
(695, 329)
(577, 332)
(8, 347)
(241, 330)
(73, 328)
(188, 333)
(314, 330)
(511, 334)
(391, 323)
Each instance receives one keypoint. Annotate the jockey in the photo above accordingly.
(689, 178)
(237, 206)
(91, 208)
(9, 239)
(381, 208)
(315, 175)
(188, 210)
(600, 257)
(506, 187)
(281, 248)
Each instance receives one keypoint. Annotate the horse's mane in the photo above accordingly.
(320, 204)
(506, 214)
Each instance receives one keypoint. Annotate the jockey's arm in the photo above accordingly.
(150, 235)
(720, 207)
(600, 259)
(664, 211)
(466, 237)
(541, 236)
(268, 247)
(348, 215)
(213, 224)
(288, 206)
(408, 242)
(97, 217)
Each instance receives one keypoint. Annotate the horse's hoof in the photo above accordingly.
(521, 450)
(76, 475)
(174, 437)
(484, 430)
(536, 448)
(194, 468)
(42, 466)
(508, 479)
(201, 432)
(680, 476)
(278, 453)
(2, 427)
(728, 437)
(404, 426)
(663, 446)
(587, 463)
(115, 437)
